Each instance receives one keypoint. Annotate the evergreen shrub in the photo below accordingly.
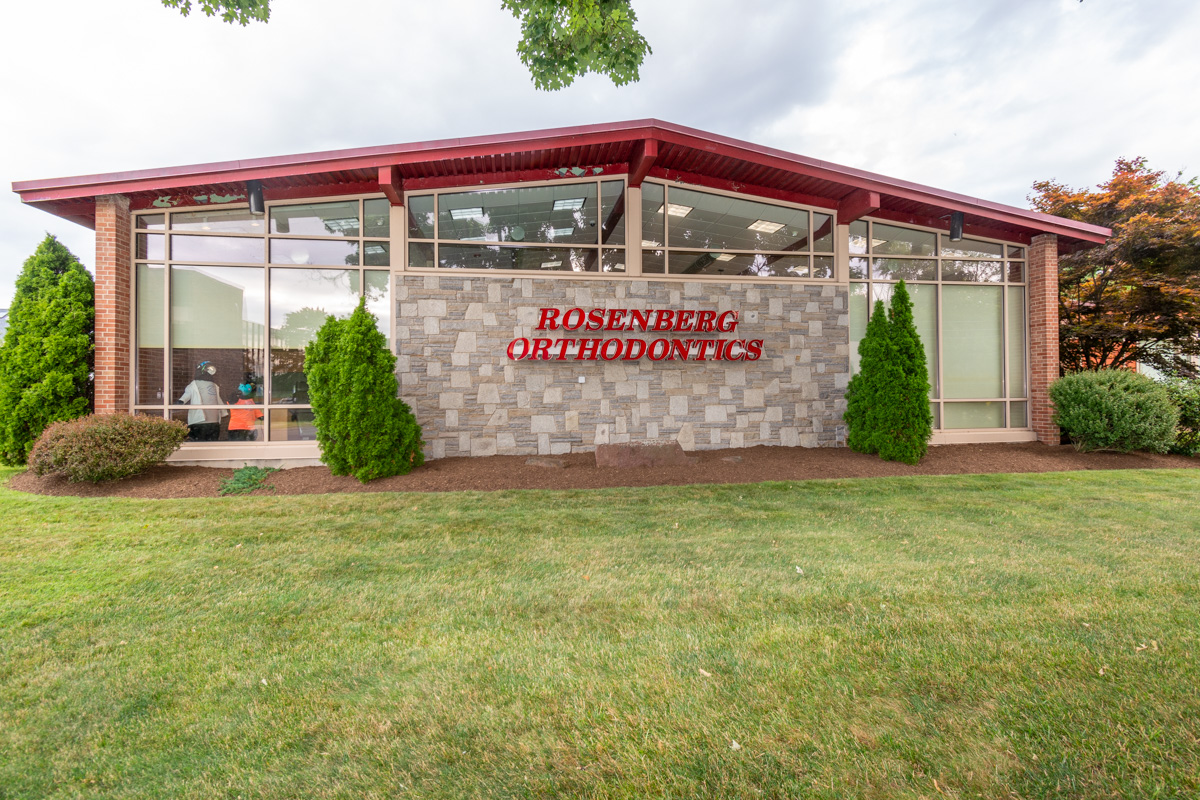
(1185, 394)
(46, 358)
(363, 428)
(105, 447)
(1114, 409)
(887, 401)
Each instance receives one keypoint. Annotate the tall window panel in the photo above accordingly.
(227, 301)
(969, 308)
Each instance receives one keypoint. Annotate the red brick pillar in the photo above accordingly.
(114, 271)
(1043, 334)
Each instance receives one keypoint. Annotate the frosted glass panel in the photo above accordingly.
(858, 321)
(1016, 341)
(149, 372)
(972, 336)
(1018, 415)
(924, 300)
(973, 415)
(379, 299)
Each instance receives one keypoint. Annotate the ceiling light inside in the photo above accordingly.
(723, 256)
(466, 213)
(555, 232)
(763, 226)
(569, 204)
(648, 243)
(675, 209)
(551, 264)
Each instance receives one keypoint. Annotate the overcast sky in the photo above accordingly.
(981, 97)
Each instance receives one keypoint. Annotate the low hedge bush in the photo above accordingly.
(105, 447)
(1186, 396)
(1114, 409)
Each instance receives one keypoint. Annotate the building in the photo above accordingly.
(549, 291)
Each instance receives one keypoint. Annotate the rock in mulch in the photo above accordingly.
(650, 453)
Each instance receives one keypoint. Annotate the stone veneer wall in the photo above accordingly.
(452, 333)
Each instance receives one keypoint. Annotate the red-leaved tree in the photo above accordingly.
(1137, 297)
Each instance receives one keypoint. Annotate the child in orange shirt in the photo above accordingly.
(243, 423)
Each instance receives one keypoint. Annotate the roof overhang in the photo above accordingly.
(636, 149)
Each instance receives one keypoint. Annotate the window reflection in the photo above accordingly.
(301, 301)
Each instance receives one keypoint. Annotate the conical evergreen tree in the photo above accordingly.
(910, 423)
(363, 428)
(864, 395)
(46, 358)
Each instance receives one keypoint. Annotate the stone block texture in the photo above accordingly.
(452, 334)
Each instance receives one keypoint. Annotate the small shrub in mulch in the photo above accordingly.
(1185, 393)
(246, 479)
(105, 447)
(1114, 409)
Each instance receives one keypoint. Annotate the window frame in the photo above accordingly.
(167, 407)
(939, 401)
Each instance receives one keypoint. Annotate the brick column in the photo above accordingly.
(114, 271)
(1043, 334)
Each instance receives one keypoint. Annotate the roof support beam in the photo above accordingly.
(391, 184)
(857, 205)
(645, 153)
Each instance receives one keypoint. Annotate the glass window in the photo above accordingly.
(612, 213)
(240, 422)
(924, 300)
(890, 240)
(224, 221)
(652, 222)
(1016, 272)
(973, 415)
(316, 219)
(553, 259)
(220, 249)
(301, 301)
(859, 308)
(148, 374)
(151, 245)
(971, 248)
(759, 265)
(1016, 341)
(718, 222)
(420, 255)
(293, 425)
(908, 269)
(318, 252)
(822, 267)
(654, 262)
(152, 222)
(613, 261)
(973, 271)
(378, 294)
(377, 254)
(822, 233)
(420, 217)
(973, 339)
(858, 237)
(858, 268)
(1018, 415)
(553, 214)
(217, 326)
(377, 218)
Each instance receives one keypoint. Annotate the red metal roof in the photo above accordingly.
(670, 151)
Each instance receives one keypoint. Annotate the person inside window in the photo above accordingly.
(243, 422)
(204, 424)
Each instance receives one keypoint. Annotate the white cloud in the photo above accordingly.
(981, 98)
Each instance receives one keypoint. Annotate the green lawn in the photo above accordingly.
(986, 636)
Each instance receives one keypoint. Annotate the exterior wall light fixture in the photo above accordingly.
(254, 193)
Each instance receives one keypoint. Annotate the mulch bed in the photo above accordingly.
(579, 471)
